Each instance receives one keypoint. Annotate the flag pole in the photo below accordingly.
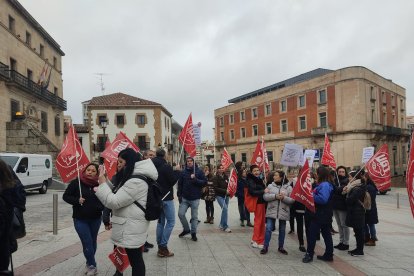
(264, 163)
(77, 161)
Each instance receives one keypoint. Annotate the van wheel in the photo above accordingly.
(43, 189)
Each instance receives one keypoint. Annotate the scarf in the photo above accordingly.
(350, 186)
(90, 181)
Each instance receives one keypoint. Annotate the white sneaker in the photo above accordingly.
(260, 246)
(254, 244)
(227, 230)
(92, 271)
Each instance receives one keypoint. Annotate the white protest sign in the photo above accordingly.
(292, 155)
(309, 155)
(367, 153)
(197, 133)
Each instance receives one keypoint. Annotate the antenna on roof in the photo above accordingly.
(101, 83)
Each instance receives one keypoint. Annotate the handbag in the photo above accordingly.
(249, 201)
(119, 258)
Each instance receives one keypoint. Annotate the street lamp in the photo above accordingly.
(104, 124)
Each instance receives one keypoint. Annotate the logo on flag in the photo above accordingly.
(232, 185)
(120, 143)
(226, 159)
(187, 137)
(260, 156)
(302, 191)
(379, 169)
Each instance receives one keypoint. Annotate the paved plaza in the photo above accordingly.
(215, 252)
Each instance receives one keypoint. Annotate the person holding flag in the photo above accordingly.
(87, 213)
(220, 182)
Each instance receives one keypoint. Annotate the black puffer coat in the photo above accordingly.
(338, 199)
(371, 216)
(355, 216)
(256, 187)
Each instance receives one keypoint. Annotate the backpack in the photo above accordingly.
(367, 202)
(154, 198)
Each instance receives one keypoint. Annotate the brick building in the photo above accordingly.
(355, 106)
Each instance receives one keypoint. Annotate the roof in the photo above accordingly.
(121, 99)
(36, 25)
(300, 78)
(78, 128)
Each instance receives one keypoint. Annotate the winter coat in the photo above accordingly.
(91, 208)
(355, 216)
(129, 226)
(371, 216)
(220, 183)
(189, 188)
(322, 196)
(256, 187)
(7, 239)
(338, 199)
(166, 177)
(211, 193)
(278, 209)
(241, 184)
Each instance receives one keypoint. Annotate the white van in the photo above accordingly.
(33, 170)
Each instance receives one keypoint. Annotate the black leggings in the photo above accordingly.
(210, 208)
(299, 222)
(136, 261)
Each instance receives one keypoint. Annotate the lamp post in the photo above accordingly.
(104, 124)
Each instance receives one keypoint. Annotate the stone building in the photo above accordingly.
(30, 83)
(355, 106)
(146, 123)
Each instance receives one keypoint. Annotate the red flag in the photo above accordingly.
(302, 192)
(70, 154)
(260, 156)
(328, 157)
(119, 258)
(379, 169)
(410, 175)
(226, 159)
(232, 185)
(187, 137)
(110, 166)
(120, 143)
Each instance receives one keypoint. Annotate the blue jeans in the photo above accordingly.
(87, 230)
(314, 229)
(224, 204)
(270, 225)
(370, 231)
(165, 223)
(184, 205)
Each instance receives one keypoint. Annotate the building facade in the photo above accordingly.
(356, 107)
(30, 76)
(146, 123)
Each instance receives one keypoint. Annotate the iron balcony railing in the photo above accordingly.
(31, 87)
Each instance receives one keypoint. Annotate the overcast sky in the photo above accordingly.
(193, 56)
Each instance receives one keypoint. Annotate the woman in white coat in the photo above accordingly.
(129, 226)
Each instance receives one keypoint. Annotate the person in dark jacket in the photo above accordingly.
(339, 208)
(298, 210)
(241, 185)
(7, 184)
(210, 194)
(190, 182)
(166, 222)
(220, 182)
(321, 220)
(355, 216)
(87, 212)
(256, 188)
(371, 216)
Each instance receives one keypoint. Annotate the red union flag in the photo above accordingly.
(328, 157)
(71, 157)
(187, 137)
(232, 185)
(226, 159)
(410, 175)
(120, 143)
(110, 167)
(379, 169)
(259, 157)
(302, 191)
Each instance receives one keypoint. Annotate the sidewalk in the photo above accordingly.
(219, 253)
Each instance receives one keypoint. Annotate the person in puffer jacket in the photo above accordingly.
(278, 208)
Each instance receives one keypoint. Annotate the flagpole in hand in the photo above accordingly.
(77, 165)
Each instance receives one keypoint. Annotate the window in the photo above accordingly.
(233, 157)
(384, 98)
(42, 50)
(384, 115)
(302, 123)
(13, 64)
(231, 119)
(322, 96)
(373, 115)
(142, 142)
(403, 153)
(254, 112)
(268, 109)
(55, 62)
(57, 125)
(268, 128)
(221, 121)
(221, 136)
(101, 118)
(244, 157)
(373, 94)
(14, 107)
(242, 132)
(242, 116)
(231, 134)
(394, 122)
(12, 24)
(43, 118)
(55, 91)
(269, 156)
(141, 120)
(392, 100)
(322, 119)
(301, 101)
(30, 74)
(254, 130)
(283, 126)
(28, 38)
(120, 120)
(283, 106)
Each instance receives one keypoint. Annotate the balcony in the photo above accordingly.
(15, 78)
(392, 130)
(321, 130)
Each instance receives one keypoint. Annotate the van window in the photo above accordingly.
(23, 163)
(10, 160)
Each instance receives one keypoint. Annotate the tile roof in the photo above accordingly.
(120, 99)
